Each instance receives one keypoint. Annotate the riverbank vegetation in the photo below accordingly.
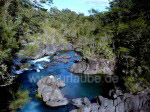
(122, 34)
(21, 98)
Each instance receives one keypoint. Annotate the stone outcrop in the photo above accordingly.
(48, 89)
(93, 66)
(51, 49)
(122, 103)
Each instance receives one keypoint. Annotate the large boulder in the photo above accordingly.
(48, 89)
(51, 81)
(93, 66)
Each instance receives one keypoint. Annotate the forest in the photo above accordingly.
(121, 34)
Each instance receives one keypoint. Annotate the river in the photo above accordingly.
(76, 85)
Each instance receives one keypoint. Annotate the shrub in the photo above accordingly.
(134, 84)
(21, 98)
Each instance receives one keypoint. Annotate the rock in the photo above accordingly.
(88, 108)
(78, 68)
(115, 93)
(46, 65)
(80, 102)
(126, 103)
(85, 109)
(53, 63)
(123, 103)
(76, 55)
(65, 56)
(86, 101)
(93, 66)
(75, 110)
(84, 105)
(106, 105)
(55, 58)
(94, 107)
(65, 61)
(57, 102)
(48, 89)
(61, 57)
(51, 81)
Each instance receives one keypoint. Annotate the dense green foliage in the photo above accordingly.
(18, 19)
(21, 97)
(120, 34)
(8, 35)
(85, 32)
(131, 27)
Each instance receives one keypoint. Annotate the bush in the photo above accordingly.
(134, 84)
(21, 98)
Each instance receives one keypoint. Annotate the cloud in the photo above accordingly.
(97, 3)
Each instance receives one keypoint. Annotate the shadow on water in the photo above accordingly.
(75, 87)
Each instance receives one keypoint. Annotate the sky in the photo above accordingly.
(81, 6)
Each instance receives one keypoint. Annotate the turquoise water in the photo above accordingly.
(76, 86)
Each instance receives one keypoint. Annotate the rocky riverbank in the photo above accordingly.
(49, 88)
(93, 66)
(48, 50)
(88, 66)
(120, 103)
